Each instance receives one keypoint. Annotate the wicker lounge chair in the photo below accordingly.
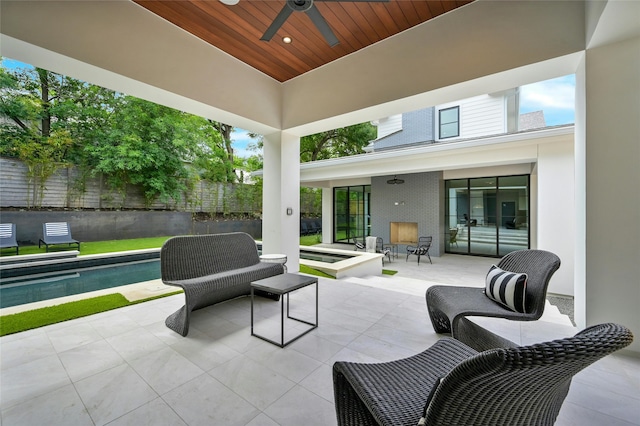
(452, 384)
(8, 236)
(447, 304)
(57, 233)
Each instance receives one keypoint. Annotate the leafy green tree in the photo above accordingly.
(35, 106)
(148, 145)
(213, 159)
(336, 143)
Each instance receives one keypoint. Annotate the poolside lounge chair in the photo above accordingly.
(452, 384)
(57, 233)
(447, 305)
(8, 236)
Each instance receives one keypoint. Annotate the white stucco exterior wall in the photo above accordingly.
(556, 210)
(612, 177)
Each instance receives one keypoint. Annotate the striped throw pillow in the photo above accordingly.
(506, 288)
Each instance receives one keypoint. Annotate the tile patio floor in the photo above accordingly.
(124, 367)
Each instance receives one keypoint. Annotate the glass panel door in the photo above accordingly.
(341, 215)
(487, 216)
(457, 208)
(513, 197)
(351, 206)
(482, 217)
(356, 213)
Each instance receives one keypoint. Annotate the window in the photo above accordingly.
(487, 216)
(449, 122)
(351, 206)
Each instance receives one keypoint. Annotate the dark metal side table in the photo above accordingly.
(283, 285)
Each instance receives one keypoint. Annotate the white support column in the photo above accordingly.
(327, 215)
(281, 192)
(580, 159)
(612, 177)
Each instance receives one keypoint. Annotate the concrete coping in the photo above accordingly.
(57, 258)
(38, 257)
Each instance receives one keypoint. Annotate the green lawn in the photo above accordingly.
(98, 247)
(22, 321)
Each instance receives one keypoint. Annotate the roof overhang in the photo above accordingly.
(517, 148)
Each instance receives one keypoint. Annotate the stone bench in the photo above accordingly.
(211, 269)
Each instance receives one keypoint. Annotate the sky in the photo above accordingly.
(555, 97)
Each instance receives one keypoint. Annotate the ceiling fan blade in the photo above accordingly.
(277, 23)
(322, 25)
(357, 1)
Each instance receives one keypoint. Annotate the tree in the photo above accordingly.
(35, 105)
(217, 162)
(128, 140)
(148, 145)
(336, 143)
(225, 131)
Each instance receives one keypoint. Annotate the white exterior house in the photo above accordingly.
(484, 144)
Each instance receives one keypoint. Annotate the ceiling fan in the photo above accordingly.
(310, 9)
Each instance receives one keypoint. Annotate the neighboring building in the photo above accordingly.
(475, 175)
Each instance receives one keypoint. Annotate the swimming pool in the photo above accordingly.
(75, 279)
(44, 286)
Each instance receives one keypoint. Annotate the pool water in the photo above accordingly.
(323, 257)
(50, 285)
(34, 288)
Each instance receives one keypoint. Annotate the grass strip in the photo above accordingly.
(23, 321)
(389, 272)
(304, 269)
(99, 247)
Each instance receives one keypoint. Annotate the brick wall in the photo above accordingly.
(420, 194)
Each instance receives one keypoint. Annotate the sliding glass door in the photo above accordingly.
(351, 207)
(487, 216)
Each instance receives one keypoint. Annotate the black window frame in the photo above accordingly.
(440, 123)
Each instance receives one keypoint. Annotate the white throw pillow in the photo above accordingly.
(506, 288)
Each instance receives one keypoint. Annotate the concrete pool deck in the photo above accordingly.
(126, 367)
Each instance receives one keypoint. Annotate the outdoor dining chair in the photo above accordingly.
(422, 249)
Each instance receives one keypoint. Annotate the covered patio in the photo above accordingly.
(481, 47)
(125, 367)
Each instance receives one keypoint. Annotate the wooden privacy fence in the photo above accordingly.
(67, 188)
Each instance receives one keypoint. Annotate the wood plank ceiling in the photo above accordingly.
(236, 29)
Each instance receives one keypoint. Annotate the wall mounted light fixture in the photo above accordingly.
(395, 181)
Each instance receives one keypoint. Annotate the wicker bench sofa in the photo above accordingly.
(211, 269)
